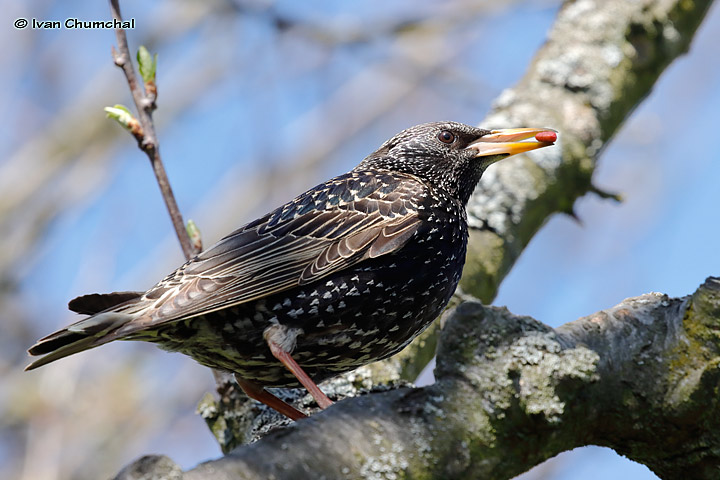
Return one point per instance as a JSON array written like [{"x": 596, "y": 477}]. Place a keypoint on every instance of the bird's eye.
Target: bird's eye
[{"x": 446, "y": 136}]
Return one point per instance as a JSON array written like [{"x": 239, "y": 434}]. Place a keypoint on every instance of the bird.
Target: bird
[{"x": 345, "y": 274}]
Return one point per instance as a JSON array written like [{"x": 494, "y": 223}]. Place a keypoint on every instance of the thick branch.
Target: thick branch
[{"x": 640, "y": 377}]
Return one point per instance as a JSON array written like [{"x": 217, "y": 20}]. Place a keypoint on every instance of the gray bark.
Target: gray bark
[{"x": 640, "y": 377}]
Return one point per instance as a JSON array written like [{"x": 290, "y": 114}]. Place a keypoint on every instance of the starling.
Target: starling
[{"x": 345, "y": 274}]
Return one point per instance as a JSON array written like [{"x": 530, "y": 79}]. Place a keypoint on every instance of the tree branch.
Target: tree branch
[
  {"x": 147, "y": 140},
  {"x": 640, "y": 377}
]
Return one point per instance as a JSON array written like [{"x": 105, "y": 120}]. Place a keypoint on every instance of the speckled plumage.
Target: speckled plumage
[
  {"x": 357, "y": 314},
  {"x": 347, "y": 273}
]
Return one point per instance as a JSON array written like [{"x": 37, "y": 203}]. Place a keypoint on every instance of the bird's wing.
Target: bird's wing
[{"x": 328, "y": 228}]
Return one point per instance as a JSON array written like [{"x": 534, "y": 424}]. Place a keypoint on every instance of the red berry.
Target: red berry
[{"x": 546, "y": 136}]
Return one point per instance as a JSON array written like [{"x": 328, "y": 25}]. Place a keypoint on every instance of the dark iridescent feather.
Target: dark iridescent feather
[{"x": 345, "y": 274}]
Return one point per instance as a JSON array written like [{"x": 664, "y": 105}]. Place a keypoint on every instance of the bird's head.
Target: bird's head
[{"x": 453, "y": 156}]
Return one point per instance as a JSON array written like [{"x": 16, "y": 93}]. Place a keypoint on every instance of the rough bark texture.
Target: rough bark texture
[{"x": 640, "y": 378}]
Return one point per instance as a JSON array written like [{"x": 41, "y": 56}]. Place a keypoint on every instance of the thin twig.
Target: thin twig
[{"x": 147, "y": 140}]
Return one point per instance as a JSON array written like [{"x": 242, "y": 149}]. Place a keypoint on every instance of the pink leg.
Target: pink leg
[
  {"x": 256, "y": 392},
  {"x": 322, "y": 400}
]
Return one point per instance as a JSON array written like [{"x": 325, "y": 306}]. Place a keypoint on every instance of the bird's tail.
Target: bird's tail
[{"x": 108, "y": 312}]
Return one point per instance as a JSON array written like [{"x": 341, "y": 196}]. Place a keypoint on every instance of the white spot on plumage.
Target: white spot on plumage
[{"x": 294, "y": 313}]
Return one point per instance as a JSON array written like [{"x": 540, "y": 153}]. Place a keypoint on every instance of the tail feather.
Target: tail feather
[
  {"x": 54, "y": 341},
  {"x": 99, "y": 302},
  {"x": 100, "y": 328},
  {"x": 75, "y": 345}
]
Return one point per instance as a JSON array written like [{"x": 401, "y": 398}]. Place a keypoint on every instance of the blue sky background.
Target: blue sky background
[{"x": 240, "y": 102}]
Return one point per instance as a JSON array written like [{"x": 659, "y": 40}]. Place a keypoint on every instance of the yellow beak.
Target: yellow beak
[{"x": 508, "y": 141}]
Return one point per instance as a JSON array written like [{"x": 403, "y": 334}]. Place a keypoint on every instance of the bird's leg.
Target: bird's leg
[
  {"x": 281, "y": 341},
  {"x": 322, "y": 400},
  {"x": 256, "y": 392}
]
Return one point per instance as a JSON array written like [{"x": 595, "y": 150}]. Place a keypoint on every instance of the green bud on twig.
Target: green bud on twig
[
  {"x": 147, "y": 64},
  {"x": 122, "y": 115},
  {"x": 194, "y": 233}
]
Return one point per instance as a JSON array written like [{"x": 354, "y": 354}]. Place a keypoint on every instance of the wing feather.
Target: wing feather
[{"x": 321, "y": 232}]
